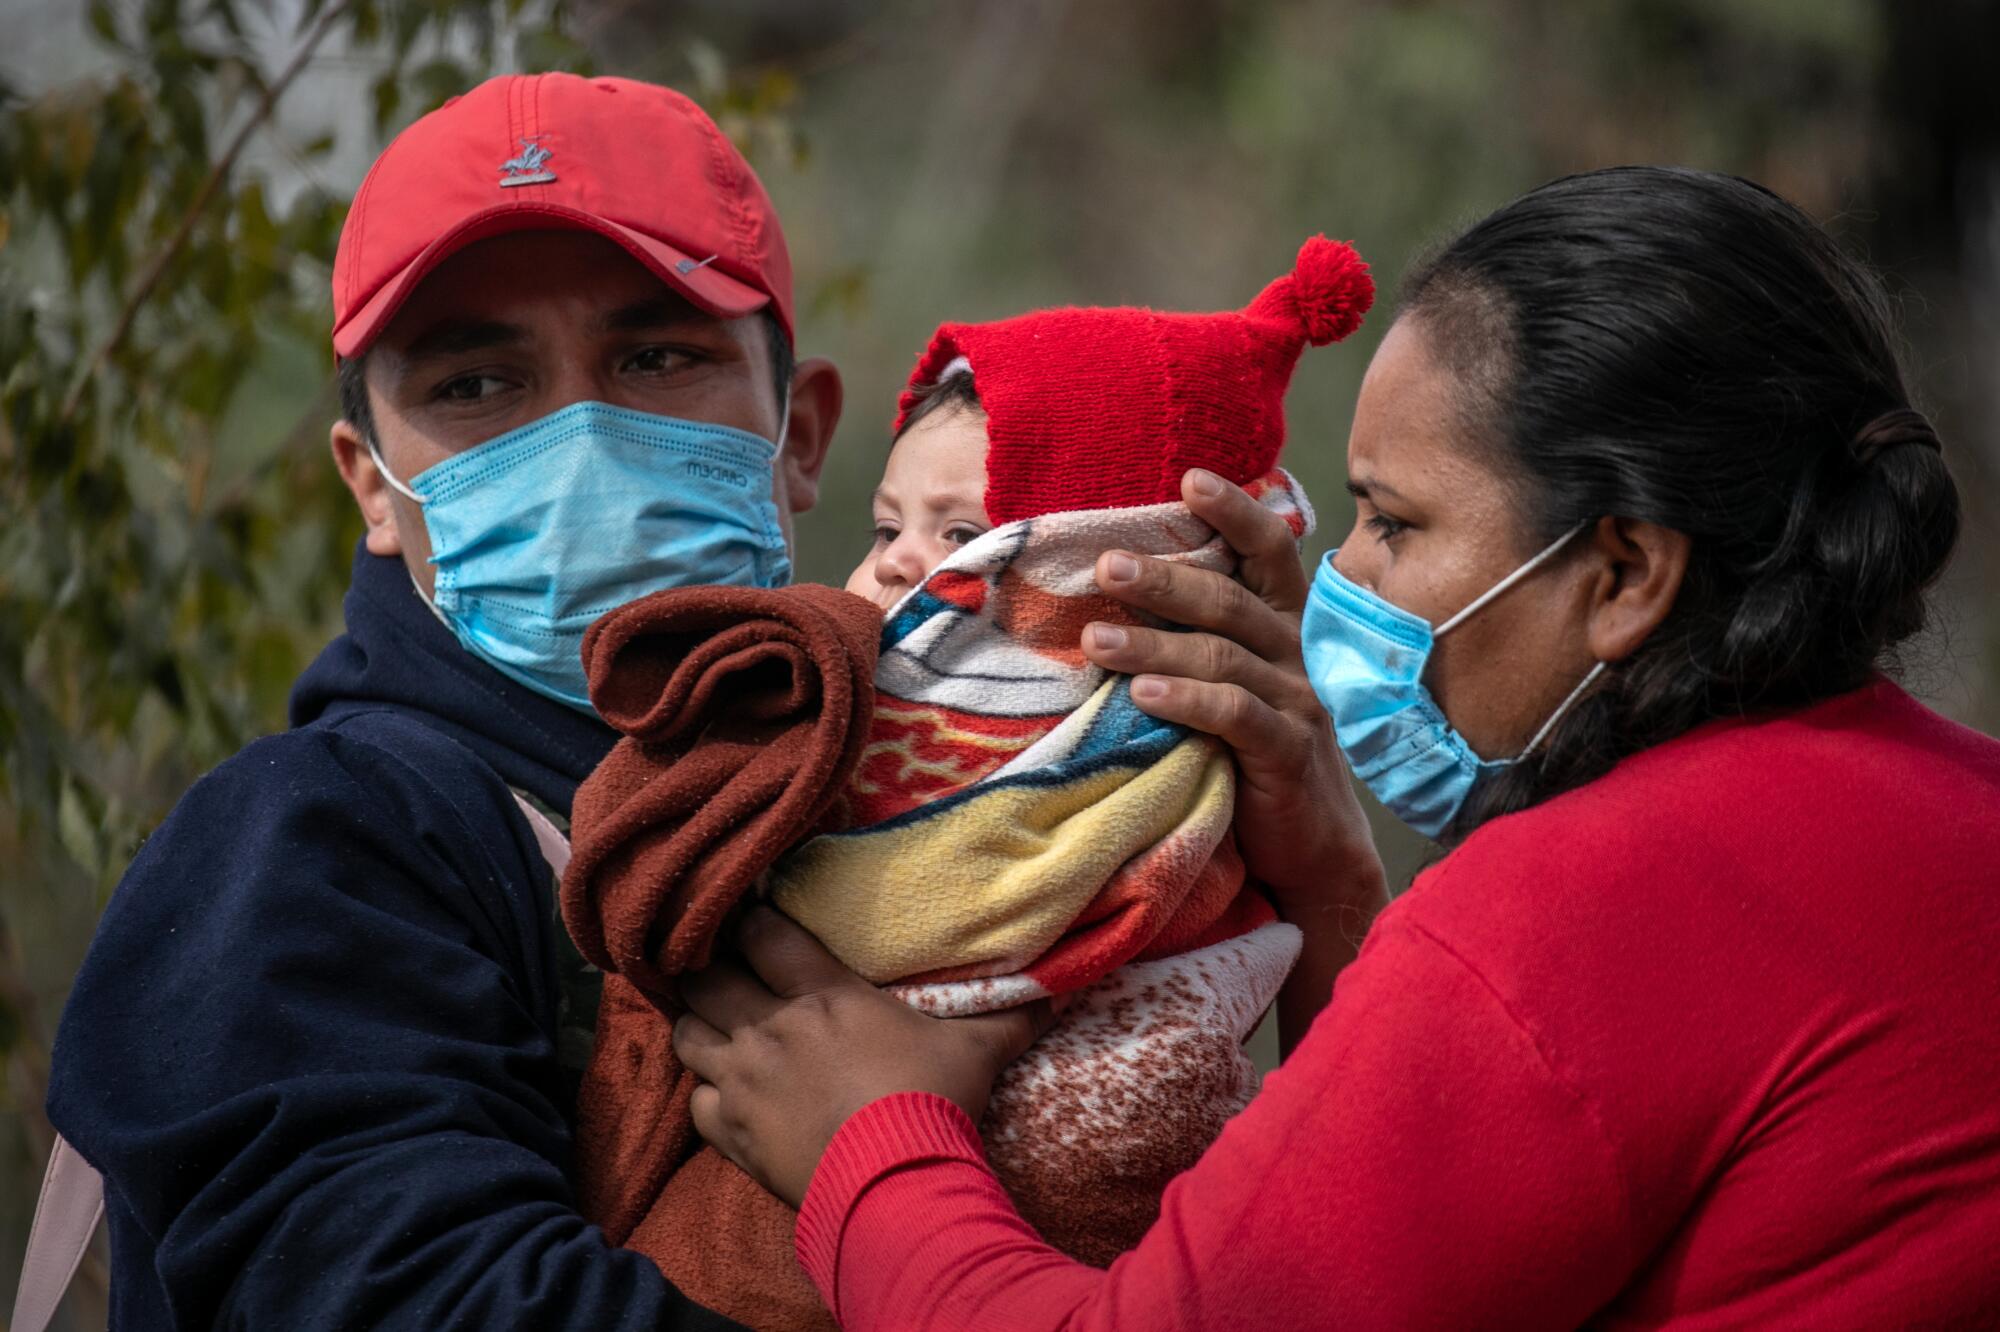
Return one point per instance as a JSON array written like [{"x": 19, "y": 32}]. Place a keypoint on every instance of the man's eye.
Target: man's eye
[
  {"x": 656, "y": 360},
  {"x": 1385, "y": 527},
  {"x": 471, "y": 388}
]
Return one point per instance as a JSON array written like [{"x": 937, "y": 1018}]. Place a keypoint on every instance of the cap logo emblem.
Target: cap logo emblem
[{"x": 527, "y": 169}]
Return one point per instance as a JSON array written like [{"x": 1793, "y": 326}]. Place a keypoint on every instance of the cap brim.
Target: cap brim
[{"x": 707, "y": 287}]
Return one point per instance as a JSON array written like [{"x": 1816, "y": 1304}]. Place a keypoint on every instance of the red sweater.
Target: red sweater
[{"x": 1711, "y": 1042}]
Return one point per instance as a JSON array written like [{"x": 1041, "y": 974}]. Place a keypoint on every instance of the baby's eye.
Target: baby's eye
[
  {"x": 884, "y": 534},
  {"x": 960, "y": 534}
]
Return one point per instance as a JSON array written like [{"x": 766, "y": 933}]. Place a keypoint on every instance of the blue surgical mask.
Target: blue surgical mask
[
  {"x": 537, "y": 532},
  {"x": 1366, "y": 660}
]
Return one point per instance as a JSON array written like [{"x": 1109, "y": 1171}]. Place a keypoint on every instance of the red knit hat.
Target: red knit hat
[{"x": 1105, "y": 408}]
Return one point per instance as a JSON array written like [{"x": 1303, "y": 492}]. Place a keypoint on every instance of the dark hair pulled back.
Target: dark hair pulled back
[{"x": 1688, "y": 349}]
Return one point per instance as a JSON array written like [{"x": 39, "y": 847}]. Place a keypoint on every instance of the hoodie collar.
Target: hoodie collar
[{"x": 397, "y": 656}]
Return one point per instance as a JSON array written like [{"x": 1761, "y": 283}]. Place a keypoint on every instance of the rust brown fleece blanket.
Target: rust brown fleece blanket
[{"x": 744, "y": 712}]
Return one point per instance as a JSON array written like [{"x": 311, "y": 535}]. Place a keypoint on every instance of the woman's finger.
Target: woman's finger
[
  {"x": 1270, "y": 553},
  {"x": 725, "y": 995},
  {"x": 1010, "y": 1032},
  {"x": 699, "y": 1046},
  {"x": 1230, "y": 713},
  {"x": 787, "y": 957},
  {"x": 1135, "y": 650},
  {"x": 1198, "y": 599}
]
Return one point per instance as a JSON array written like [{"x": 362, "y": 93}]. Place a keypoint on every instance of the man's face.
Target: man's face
[{"x": 513, "y": 328}]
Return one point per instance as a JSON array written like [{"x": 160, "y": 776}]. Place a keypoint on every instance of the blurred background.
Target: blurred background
[{"x": 173, "y": 173}]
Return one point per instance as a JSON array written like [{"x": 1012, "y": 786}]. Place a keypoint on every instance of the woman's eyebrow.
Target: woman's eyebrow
[{"x": 1363, "y": 487}]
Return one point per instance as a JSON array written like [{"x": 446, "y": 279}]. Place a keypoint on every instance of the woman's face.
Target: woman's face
[{"x": 1435, "y": 526}]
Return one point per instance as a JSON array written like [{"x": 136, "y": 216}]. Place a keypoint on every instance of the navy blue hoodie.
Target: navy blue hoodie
[{"x": 312, "y": 1048}]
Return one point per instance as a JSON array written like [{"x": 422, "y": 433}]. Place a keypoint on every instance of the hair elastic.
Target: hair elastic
[{"x": 1895, "y": 427}]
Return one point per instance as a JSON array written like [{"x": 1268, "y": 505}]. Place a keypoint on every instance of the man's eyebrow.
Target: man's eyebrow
[
  {"x": 652, "y": 313},
  {"x": 454, "y": 337}
]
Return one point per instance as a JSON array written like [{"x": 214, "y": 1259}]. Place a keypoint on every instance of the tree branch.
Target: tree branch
[{"x": 157, "y": 267}]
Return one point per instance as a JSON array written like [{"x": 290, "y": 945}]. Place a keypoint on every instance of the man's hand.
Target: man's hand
[
  {"x": 1244, "y": 681},
  {"x": 790, "y": 1046}
]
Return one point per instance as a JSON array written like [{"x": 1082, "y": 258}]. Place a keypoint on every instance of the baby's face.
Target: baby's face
[{"x": 932, "y": 501}]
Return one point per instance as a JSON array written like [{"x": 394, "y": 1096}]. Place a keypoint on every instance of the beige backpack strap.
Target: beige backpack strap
[
  {"x": 66, "y": 1216},
  {"x": 555, "y": 846}
]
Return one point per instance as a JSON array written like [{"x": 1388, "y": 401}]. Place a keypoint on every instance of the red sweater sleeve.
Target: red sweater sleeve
[{"x": 1417, "y": 1162}]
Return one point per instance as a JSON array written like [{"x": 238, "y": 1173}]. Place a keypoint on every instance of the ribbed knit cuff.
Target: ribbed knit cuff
[{"x": 896, "y": 1131}]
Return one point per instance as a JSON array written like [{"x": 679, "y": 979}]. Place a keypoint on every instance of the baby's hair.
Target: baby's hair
[{"x": 954, "y": 392}]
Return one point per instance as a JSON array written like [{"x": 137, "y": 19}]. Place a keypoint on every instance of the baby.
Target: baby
[
  {"x": 1083, "y": 847},
  {"x": 932, "y": 500},
  {"x": 992, "y": 819}
]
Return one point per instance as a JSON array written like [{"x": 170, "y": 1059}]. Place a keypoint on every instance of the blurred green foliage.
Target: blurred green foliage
[{"x": 175, "y": 541}]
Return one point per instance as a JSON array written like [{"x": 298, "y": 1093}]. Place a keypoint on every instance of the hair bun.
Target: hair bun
[
  {"x": 1331, "y": 290},
  {"x": 1892, "y": 429}
]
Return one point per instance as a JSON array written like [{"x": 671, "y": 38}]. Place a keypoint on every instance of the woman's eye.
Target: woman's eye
[
  {"x": 1386, "y": 528},
  {"x": 962, "y": 535},
  {"x": 471, "y": 388}
]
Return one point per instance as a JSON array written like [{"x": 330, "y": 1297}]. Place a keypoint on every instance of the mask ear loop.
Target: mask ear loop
[
  {"x": 1487, "y": 597},
  {"x": 1490, "y": 593},
  {"x": 784, "y": 421},
  {"x": 414, "y": 498},
  {"x": 390, "y": 477},
  {"x": 1561, "y": 709}
]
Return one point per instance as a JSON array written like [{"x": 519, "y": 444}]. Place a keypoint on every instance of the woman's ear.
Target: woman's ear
[
  {"x": 1645, "y": 564},
  {"x": 816, "y": 399},
  {"x": 371, "y": 492}
]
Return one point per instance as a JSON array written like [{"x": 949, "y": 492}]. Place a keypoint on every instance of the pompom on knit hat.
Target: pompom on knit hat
[{"x": 1106, "y": 408}]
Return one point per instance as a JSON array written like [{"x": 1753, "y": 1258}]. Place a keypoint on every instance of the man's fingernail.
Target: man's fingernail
[
  {"x": 1106, "y": 637},
  {"x": 1146, "y": 688},
  {"x": 1122, "y": 567},
  {"x": 1205, "y": 482}
]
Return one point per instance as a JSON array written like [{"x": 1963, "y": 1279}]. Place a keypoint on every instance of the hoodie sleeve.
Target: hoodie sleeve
[{"x": 311, "y": 1052}]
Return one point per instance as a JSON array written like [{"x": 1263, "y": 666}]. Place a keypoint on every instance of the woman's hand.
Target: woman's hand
[
  {"x": 791, "y": 1046},
  {"x": 1244, "y": 681}
]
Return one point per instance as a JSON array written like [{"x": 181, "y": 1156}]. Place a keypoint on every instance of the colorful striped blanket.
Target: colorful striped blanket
[
  {"x": 1019, "y": 828},
  {"x": 1011, "y": 827}
]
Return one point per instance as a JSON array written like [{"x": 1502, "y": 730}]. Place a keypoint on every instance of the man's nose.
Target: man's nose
[{"x": 573, "y": 378}]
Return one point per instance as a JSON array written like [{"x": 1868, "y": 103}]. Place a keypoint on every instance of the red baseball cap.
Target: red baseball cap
[{"x": 634, "y": 162}]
